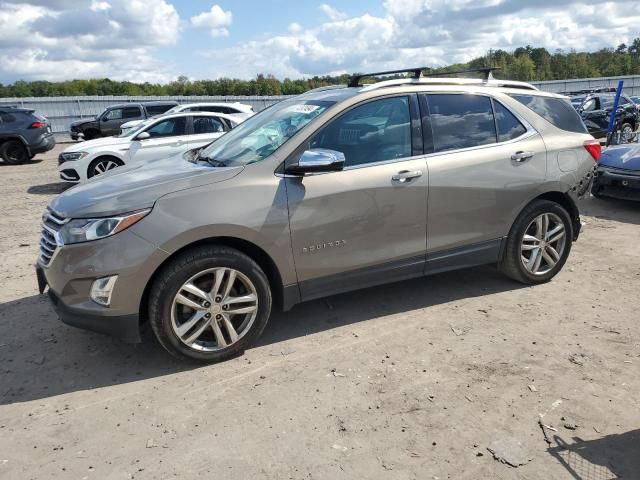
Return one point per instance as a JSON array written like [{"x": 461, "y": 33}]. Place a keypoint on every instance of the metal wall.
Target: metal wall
[
  {"x": 631, "y": 84},
  {"x": 61, "y": 111}
]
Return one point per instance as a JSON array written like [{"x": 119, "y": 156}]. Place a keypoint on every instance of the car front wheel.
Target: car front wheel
[
  {"x": 539, "y": 243},
  {"x": 209, "y": 304},
  {"x": 103, "y": 164}
]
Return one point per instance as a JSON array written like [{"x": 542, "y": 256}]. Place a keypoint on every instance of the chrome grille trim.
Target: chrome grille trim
[{"x": 50, "y": 241}]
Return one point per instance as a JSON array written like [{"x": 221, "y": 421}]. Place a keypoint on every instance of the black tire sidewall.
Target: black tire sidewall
[
  {"x": 13, "y": 144},
  {"x": 531, "y": 212},
  {"x": 167, "y": 286}
]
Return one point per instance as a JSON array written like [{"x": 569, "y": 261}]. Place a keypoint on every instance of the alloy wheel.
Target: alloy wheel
[
  {"x": 214, "y": 309},
  {"x": 103, "y": 166},
  {"x": 543, "y": 243}
]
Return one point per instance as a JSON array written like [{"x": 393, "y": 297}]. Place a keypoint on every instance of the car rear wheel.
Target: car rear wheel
[
  {"x": 626, "y": 133},
  {"x": 539, "y": 243},
  {"x": 103, "y": 164},
  {"x": 14, "y": 152},
  {"x": 209, "y": 304}
]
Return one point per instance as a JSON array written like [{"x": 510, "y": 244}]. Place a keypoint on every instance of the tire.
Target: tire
[
  {"x": 626, "y": 133},
  {"x": 91, "y": 134},
  {"x": 515, "y": 256},
  {"x": 103, "y": 164},
  {"x": 13, "y": 152},
  {"x": 176, "y": 324}
]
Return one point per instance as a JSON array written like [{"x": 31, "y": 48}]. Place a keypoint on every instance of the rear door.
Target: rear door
[
  {"x": 485, "y": 161},
  {"x": 364, "y": 225},
  {"x": 167, "y": 137}
]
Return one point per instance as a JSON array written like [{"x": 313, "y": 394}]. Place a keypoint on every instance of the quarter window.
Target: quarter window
[
  {"x": 509, "y": 127},
  {"x": 168, "y": 128},
  {"x": 461, "y": 121},
  {"x": 376, "y": 131},
  {"x": 556, "y": 111}
]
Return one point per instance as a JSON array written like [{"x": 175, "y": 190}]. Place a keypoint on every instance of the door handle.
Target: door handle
[
  {"x": 405, "y": 175},
  {"x": 522, "y": 156}
]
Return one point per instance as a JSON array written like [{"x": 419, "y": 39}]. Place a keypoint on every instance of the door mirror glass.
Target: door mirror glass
[
  {"x": 143, "y": 135},
  {"x": 318, "y": 160}
]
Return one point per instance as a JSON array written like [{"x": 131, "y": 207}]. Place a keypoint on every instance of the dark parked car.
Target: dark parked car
[
  {"x": 618, "y": 173},
  {"x": 108, "y": 122},
  {"x": 23, "y": 134},
  {"x": 595, "y": 110}
]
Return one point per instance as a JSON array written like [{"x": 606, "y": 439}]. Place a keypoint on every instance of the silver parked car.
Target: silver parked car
[{"x": 333, "y": 190}]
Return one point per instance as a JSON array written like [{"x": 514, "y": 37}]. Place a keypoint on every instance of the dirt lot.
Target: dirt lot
[{"x": 412, "y": 380}]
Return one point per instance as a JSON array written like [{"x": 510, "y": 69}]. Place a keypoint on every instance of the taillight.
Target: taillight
[
  {"x": 38, "y": 125},
  {"x": 594, "y": 148}
]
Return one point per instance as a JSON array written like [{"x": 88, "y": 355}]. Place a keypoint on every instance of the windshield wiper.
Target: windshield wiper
[{"x": 212, "y": 162}]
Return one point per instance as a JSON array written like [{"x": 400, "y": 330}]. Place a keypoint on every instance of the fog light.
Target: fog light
[{"x": 102, "y": 289}]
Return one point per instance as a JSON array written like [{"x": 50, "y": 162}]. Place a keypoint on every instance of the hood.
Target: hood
[
  {"x": 621, "y": 156},
  {"x": 136, "y": 188},
  {"x": 86, "y": 121},
  {"x": 96, "y": 142}
]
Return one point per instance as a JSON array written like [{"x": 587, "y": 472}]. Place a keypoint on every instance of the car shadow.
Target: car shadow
[
  {"x": 625, "y": 211},
  {"x": 33, "y": 161},
  {"x": 40, "y": 357},
  {"x": 49, "y": 188},
  {"x": 607, "y": 458}
]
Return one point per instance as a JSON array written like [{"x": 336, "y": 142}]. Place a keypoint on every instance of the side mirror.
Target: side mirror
[
  {"x": 318, "y": 160},
  {"x": 143, "y": 135}
]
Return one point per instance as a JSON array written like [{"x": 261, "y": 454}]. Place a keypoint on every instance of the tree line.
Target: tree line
[{"x": 524, "y": 63}]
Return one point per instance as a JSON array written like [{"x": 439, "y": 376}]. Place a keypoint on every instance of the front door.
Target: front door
[
  {"x": 167, "y": 138},
  {"x": 364, "y": 225}
]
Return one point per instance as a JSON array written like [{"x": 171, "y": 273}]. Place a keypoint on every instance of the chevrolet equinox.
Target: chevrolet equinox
[{"x": 337, "y": 189}]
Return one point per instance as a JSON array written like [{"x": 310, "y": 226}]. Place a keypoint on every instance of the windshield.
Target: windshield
[
  {"x": 261, "y": 135},
  {"x": 176, "y": 109}
]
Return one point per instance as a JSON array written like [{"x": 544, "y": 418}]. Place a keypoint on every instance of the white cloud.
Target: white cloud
[
  {"x": 333, "y": 14},
  {"x": 429, "y": 33},
  {"x": 115, "y": 38},
  {"x": 216, "y": 19}
]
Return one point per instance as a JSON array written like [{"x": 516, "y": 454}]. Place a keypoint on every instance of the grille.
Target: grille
[{"x": 51, "y": 224}]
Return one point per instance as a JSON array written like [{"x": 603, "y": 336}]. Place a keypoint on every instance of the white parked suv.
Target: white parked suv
[
  {"x": 239, "y": 111},
  {"x": 154, "y": 138}
]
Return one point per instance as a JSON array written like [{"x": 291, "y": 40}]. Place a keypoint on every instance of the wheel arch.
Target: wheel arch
[
  {"x": 102, "y": 156},
  {"x": 256, "y": 253},
  {"x": 563, "y": 199}
]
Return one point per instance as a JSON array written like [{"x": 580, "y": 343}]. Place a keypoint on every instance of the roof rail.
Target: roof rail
[
  {"x": 449, "y": 81},
  {"x": 418, "y": 73},
  {"x": 355, "y": 79}
]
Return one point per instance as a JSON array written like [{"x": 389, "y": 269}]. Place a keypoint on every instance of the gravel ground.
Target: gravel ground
[{"x": 417, "y": 380}]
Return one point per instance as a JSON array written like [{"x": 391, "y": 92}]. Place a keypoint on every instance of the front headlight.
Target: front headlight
[
  {"x": 69, "y": 156},
  {"x": 86, "y": 229}
]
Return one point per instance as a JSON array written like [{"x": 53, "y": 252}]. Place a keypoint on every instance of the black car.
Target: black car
[
  {"x": 108, "y": 122},
  {"x": 595, "y": 110},
  {"x": 23, "y": 134},
  {"x": 618, "y": 173}
]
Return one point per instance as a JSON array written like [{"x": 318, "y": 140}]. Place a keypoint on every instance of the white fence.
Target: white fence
[{"x": 61, "y": 111}]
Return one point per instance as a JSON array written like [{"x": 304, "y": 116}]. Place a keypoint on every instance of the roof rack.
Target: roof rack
[
  {"x": 449, "y": 81},
  {"x": 418, "y": 73},
  {"x": 322, "y": 89}
]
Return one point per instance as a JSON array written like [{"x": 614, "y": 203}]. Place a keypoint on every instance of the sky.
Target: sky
[{"x": 158, "y": 40}]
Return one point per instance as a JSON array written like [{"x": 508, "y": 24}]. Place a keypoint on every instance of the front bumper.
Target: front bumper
[
  {"x": 616, "y": 183},
  {"x": 74, "y": 268}
]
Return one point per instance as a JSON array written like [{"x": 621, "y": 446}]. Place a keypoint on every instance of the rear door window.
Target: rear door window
[
  {"x": 131, "y": 112},
  {"x": 556, "y": 111},
  {"x": 158, "y": 109},
  {"x": 509, "y": 127},
  {"x": 207, "y": 125},
  {"x": 461, "y": 121}
]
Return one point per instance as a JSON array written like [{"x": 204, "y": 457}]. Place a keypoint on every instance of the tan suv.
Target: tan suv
[{"x": 330, "y": 191}]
